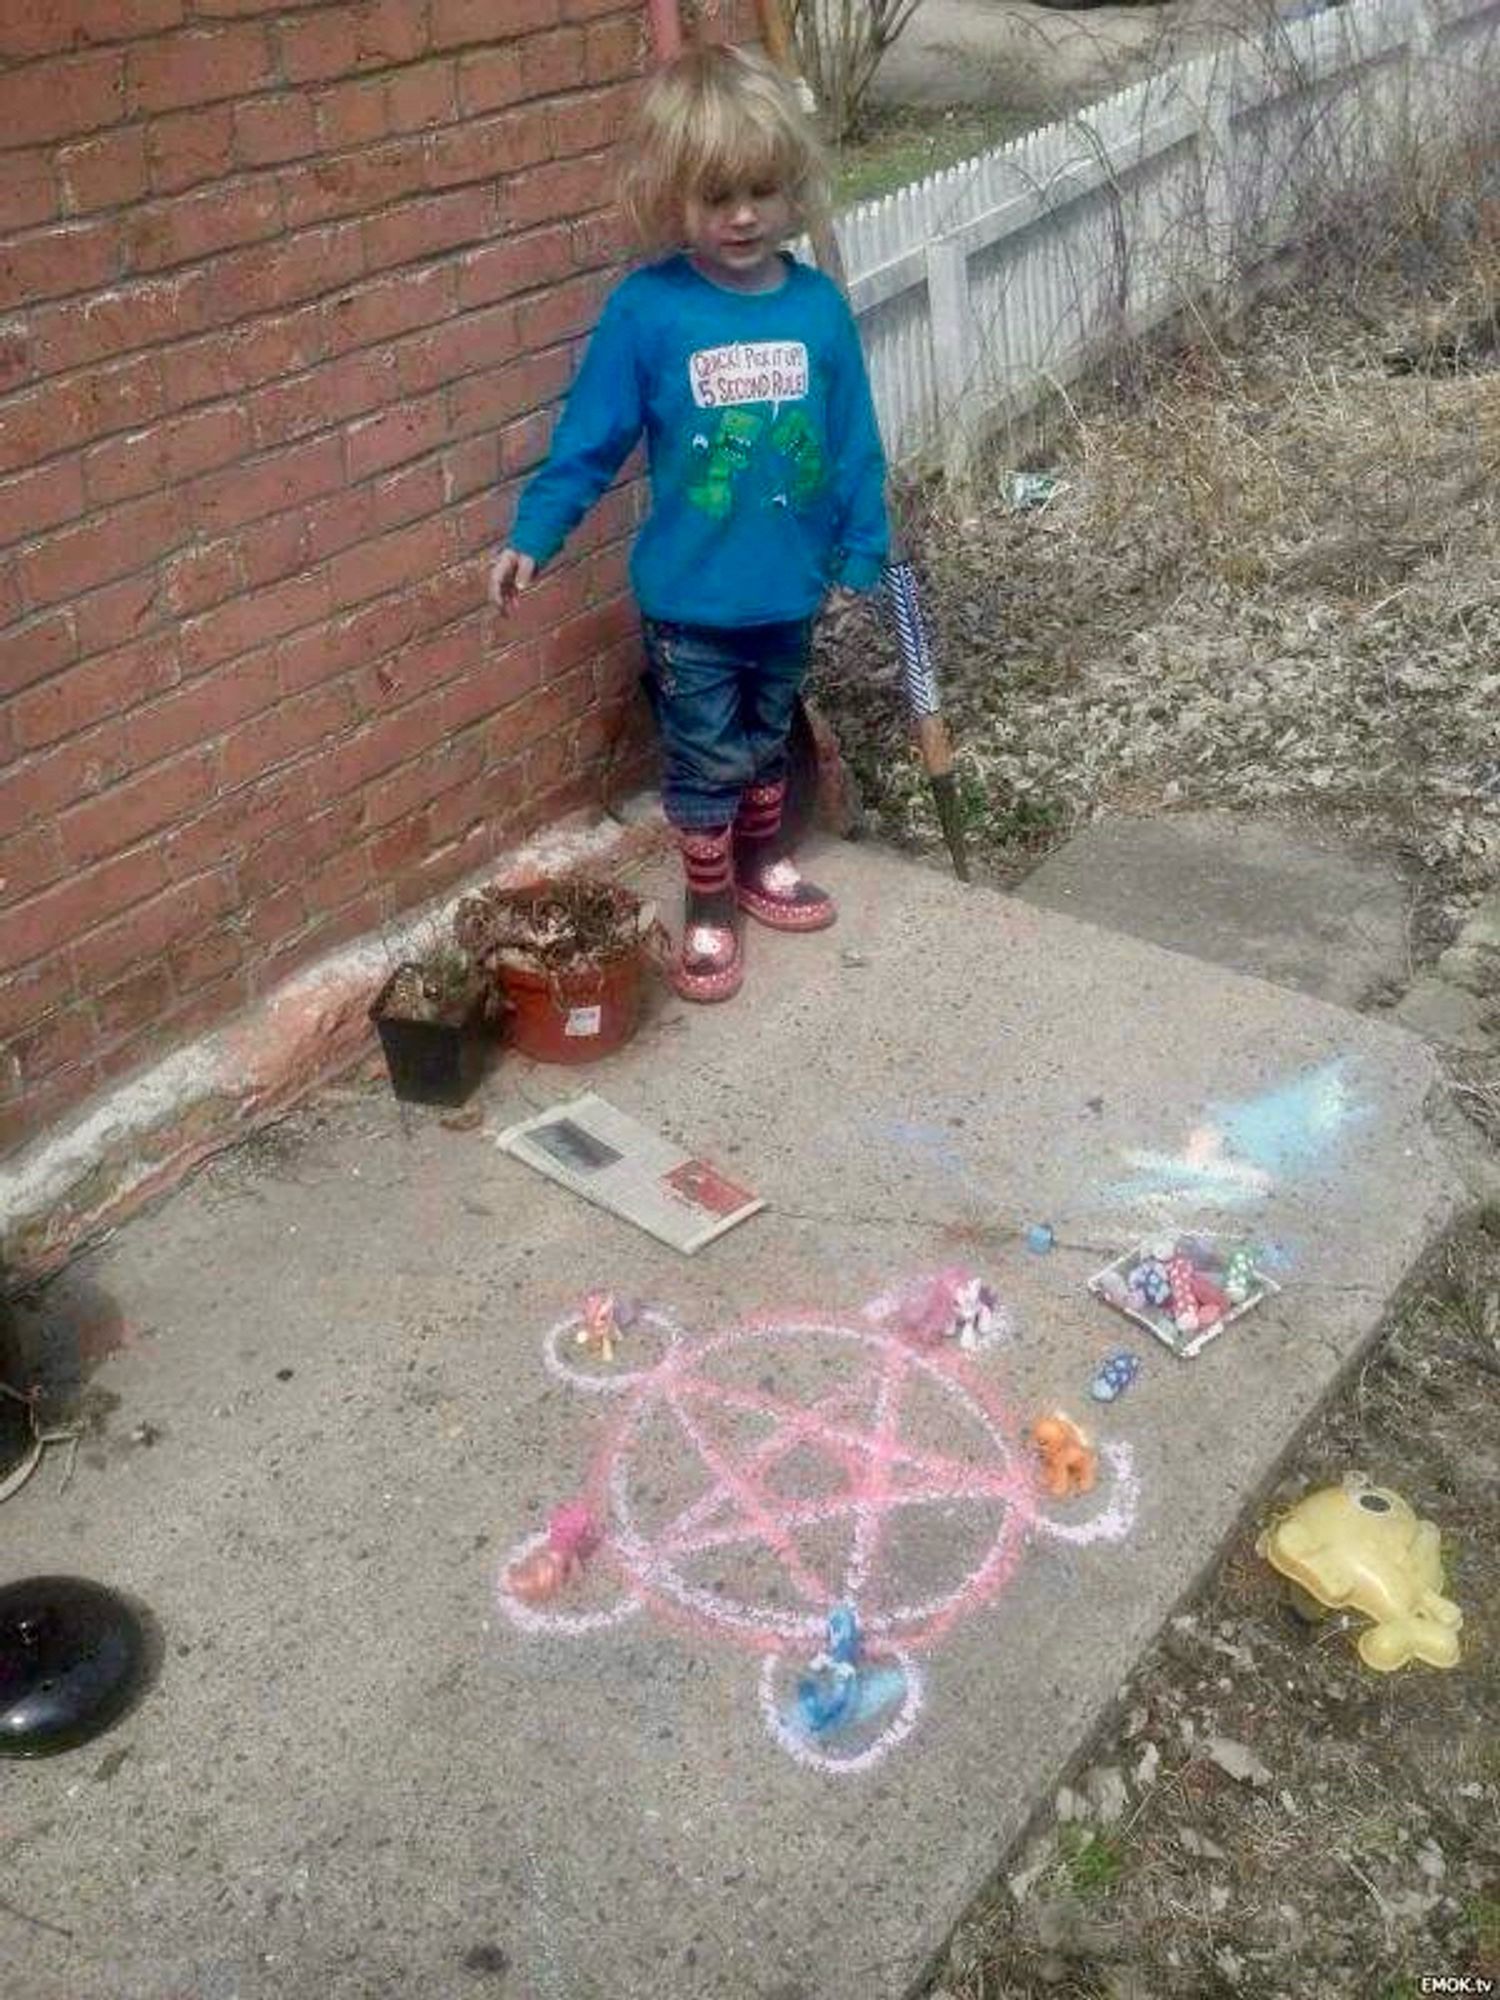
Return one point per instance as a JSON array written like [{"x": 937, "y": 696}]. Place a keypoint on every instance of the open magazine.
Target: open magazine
[{"x": 609, "y": 1159}]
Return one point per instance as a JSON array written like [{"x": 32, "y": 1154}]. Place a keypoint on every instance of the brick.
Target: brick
[
  {"x": 581, "y": 640},
  {"x": 422, "y": 96},
  {"x": 578, "y": 120},
  {"x": 119, "y": 613},
  {"x": 289, "y": 855},
  {"x": 347, "y": 643},
  {"x": 32, "y": 990},
  {"x": 31, "y": 191},
  {"x": 248, "y": 622},
  {"x": 405, "y": 431},
  {"x": 166, "y": 454},
  {"x": 379, "y": 747},
  {"x": 615, "y": 48},
  {"x": 343, "y": 878},
  {"x": 196, "y": 578},
  {"x": 559, "y": 314},
  {"x": 490, "y": 79},
  {"x": 106, "y": 172},
  {"x": 29, "y": 860},
  {"x": 564, "y": 188},
  {"x": 275, "y": 548},
  {"x": 263, "y": 486},
  {"x": 271, "y": 130},
  {"x": 233, "y": 359},
  {"x": 203, "y": 710},
  {"x": 588, "y": 10},
  {"x": 47, "y": 27},
  {"x": 274, "y": 919},
  {"x": 137, "y": 1001},
  {"x": 482, "y": 402},
  {"x": 81, "y": 95},
  {"x": 342, "y": 519},
  {"x": 198, "y": 67},
  {"x": 100, "y": 687},
  {"x": 347, "y": 387},
  {"x": 599, "y": 239},
  {"x": 391, "y": 851},
  {"x": 389, "y": 31},
  {"x": 517, "y": 264},
  {"x": 351, "y": 114},
  {"x": 126, "y": 317},
  {"x": 50, "y": 263},
  {"x": 552, "y": 62},
  {"x": 471, "y": 467},
  {"x": 236, "y": 822},
  {"x": 204, "y": 960},
  {"x": 33, "y": 788},
  {"x": 104, "y": 547},
  {"x": 36, "y": 501},
  {"x": 54, "y": 919},
  {"x": 303, "y": 266},
  {"x": 484, "y": 148},
  {"x": 404, "y": 556},
  {"x": 462, "y": 347},
  {"x": 456, "y": 22},
  {"x": 353, "y": 183},
  {"x": 42, "y": 646},
  {"x": 280, "y": 735},
  {"x": 197, "y": 225},
  {"x": 472, "y": 527},
  {"x": 181, "y": 910},
  {"x": 42, "y": 1105},
  {"x": 421, "y": 229},
  {"x": 408, "y": 494},
  {"x": 388, "y": 306},
  {"x": 190, "y": 147},
  {"x": 140, "y": 806},
  {"x": 59, "y": 1041},
  {"x": 16, "y": 355}
]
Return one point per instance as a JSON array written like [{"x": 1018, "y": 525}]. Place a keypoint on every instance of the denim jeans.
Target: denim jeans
[{"x": 723, "y": 698}]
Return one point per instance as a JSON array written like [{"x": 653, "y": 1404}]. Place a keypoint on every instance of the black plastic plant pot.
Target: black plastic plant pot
[
  {"x": 432, "y": 1062},
  {"x": 72, "y": 1660}
]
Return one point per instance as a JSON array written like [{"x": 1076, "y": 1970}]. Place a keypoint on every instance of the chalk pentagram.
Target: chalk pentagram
[{"x": 794, "y": 1456}]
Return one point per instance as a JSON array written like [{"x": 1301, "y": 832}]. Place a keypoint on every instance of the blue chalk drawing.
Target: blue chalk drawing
[{"x": 1241, "y": 1150}]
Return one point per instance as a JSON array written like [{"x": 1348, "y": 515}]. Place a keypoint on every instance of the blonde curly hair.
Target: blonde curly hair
[{"x": 717, "y": 118}]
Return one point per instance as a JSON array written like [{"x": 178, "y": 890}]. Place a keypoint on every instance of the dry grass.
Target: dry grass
[{"x": 1265, "y": 581}]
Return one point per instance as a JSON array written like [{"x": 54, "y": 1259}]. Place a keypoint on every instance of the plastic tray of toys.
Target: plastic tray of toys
[{"x": 1185, "y": 1289}]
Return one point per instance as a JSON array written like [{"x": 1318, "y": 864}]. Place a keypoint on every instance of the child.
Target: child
[{"x": 743, "y": 368}]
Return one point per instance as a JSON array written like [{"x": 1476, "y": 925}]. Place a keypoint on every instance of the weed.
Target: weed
[{"x": 1093, "y": 1862}]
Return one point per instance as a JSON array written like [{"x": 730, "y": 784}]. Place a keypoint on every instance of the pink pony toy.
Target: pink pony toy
[
  {"x": 600, "y": 1329},
  {"x": 572, "y": 1536}
]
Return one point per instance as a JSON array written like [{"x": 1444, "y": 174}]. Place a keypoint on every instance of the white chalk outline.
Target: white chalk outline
[
  {"x": 1117, "y": 1519},
  {"x": 598, "y": 1384}
]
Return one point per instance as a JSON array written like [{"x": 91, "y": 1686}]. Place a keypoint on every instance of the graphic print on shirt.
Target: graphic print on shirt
[{"x": 785, "y": 448}]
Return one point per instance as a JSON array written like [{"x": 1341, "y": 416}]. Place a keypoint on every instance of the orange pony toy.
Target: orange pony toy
[{"x": 1068, "y": 1459}]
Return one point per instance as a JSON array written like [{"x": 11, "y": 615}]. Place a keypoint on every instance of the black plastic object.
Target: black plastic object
[
  {"x": 72, "y": 1656},
  {"x": 800, "y": 806},
  {"x": 432, "y": 1062}
]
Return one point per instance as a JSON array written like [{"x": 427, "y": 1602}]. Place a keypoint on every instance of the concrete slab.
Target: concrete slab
[
  {"x": 1290, "y": 905},
  {"x": 362, "y": 1774}
]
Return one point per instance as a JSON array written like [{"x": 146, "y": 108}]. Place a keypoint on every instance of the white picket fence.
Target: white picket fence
[{"x": 984, "y": 288}]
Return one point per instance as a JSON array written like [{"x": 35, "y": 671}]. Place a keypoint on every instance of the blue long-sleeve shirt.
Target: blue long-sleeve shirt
[{"x": 767, "y": 475}]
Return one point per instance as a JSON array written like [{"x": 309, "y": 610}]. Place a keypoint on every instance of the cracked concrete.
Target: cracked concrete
[{"x": 359, "y": 1774}]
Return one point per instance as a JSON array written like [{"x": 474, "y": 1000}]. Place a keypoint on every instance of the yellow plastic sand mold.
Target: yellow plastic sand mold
[{"x": 1363, "y": 1546}]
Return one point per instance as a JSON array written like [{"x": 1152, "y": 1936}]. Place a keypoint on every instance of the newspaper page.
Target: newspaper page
[{"x": 605, "y": 1156}]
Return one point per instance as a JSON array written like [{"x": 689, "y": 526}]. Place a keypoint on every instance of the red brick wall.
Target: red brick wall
[{"x": 287, "y": 291}]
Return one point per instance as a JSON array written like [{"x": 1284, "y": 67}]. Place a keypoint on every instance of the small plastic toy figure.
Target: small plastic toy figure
[
  {"x": 600, "y": 1329},
  {"x": 974, "y": 1311},
  {"x": 826, "y": 1693},
  {"x": 1116, "y": 1373},
  {"x": 1069, "y": 1464},
  {"x": 1364, "y": 1546},
  {"x": 572, "y": 1536}
]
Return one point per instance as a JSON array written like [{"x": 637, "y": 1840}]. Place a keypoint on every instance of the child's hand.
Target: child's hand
[{"x": 510, "y": 574}]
